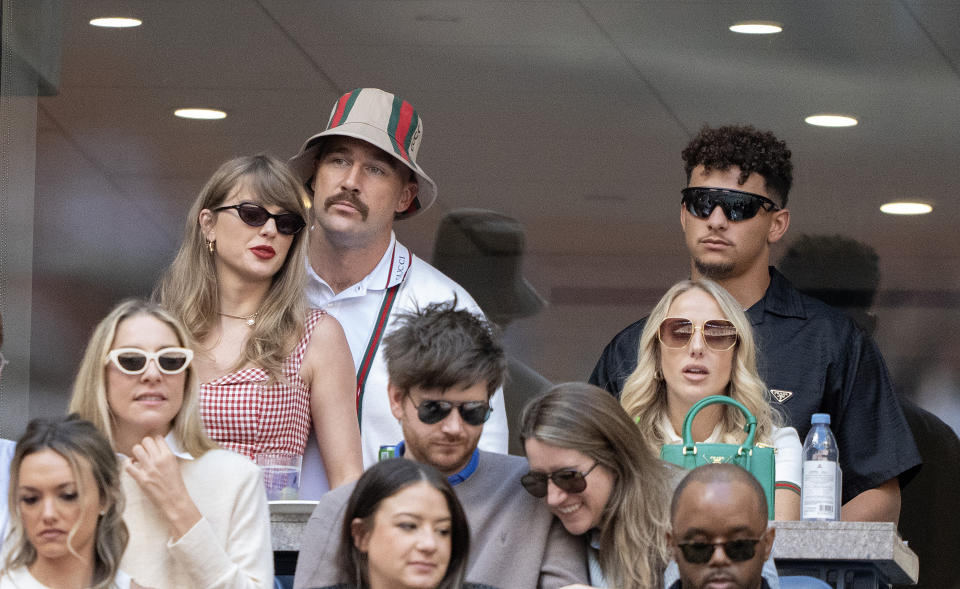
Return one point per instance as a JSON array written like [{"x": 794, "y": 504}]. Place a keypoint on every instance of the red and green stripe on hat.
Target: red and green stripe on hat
[{"x": 401, "y": 123}]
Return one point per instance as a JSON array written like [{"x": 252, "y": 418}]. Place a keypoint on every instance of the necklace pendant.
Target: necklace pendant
[{"x": 250, "y": 321}]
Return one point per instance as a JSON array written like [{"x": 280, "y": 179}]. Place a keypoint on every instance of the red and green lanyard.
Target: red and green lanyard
[{"x": 379, "y": 326}]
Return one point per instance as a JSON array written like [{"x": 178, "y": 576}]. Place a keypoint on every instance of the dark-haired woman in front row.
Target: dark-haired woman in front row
[
  {"x": 66, "y": 510},
  {"x": 404, "y": 527}
]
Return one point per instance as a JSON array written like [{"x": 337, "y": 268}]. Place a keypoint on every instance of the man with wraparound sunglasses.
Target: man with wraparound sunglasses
[
  {"x": 719, "y": 530},
  {"x": 444, "y": 365},
  {"x": 363, "y": 174},
  {"x": 812, "y": 357}
]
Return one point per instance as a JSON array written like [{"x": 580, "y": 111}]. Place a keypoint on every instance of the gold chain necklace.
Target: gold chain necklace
[{"x": 250, "y": 319}]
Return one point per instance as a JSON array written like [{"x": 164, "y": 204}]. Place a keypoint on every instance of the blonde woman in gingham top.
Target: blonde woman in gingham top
[{"x": 237, "y": 284}]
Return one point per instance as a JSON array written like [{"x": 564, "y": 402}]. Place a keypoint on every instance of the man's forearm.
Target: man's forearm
[{"x": 880, "y": 504}]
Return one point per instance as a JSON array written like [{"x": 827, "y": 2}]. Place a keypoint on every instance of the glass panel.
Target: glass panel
[{"x": 568, "y": 123}]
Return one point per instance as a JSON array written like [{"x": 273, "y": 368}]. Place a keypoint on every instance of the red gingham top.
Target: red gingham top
[{"x": 244, "y": 415}]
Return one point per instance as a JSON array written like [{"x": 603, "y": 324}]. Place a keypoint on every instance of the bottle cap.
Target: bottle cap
[
  {"x": 386, "y": 453},
  {"x": 820, "y": 418}
]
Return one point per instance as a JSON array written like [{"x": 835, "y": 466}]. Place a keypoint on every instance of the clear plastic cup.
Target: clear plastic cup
[{"x": 281, "y": 474}]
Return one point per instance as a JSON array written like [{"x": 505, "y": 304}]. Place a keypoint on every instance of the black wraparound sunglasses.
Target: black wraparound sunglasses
[
  {"x": 702, "y": 552},
  {"x": 256, "y": 216},
  {"x": 737, "y": 205}
]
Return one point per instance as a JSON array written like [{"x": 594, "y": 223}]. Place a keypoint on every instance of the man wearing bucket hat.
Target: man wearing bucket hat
[{"x": 363, "y": 173}]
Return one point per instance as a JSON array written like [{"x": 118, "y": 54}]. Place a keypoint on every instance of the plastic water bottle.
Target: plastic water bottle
[{"x": 822, "y": 478}]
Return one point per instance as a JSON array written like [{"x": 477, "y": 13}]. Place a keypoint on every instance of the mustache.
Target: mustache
[{"x": 349, "y": 198}]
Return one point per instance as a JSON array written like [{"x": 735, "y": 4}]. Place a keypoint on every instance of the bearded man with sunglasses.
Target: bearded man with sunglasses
[
  {"x": 719, "y": 534},
  {"x": 444, "y": 365},
  {"x": 812, "y": 357}
]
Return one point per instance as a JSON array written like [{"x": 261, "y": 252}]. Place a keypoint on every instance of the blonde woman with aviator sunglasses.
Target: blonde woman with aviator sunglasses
[{"x": 698, "y": 342}]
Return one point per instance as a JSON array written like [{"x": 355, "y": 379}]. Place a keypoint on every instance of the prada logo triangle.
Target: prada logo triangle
[{"x": 780, "y": 396}]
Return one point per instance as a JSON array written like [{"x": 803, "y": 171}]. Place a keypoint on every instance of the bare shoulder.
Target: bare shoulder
[
  {"x": 327, "y": 327},
  {"x": 327, "y": 344}
]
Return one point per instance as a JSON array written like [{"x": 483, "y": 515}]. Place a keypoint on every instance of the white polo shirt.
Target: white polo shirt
[{"x": 357, "y": 309}]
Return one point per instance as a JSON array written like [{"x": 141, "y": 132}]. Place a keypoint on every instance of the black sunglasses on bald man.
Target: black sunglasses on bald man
[{"x": 702, "y": 552}]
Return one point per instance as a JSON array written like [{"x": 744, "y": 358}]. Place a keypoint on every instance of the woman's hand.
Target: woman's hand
[{"x": 154, "y": 467}]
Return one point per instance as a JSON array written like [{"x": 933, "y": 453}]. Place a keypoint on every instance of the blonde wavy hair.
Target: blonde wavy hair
[
  {"x": 77, "y": 441},
  {"x": 644, "y": 395},
  {"x": 635, "y": 520},
  {"x": 189, "y": 286},
  {"x": 89, "y": 399}
]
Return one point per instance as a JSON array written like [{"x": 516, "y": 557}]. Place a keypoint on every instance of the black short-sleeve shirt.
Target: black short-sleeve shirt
[{"x": 814, "y": 359}]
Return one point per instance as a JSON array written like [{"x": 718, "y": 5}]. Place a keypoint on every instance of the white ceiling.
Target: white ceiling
[{"x": 568, "y": 115}]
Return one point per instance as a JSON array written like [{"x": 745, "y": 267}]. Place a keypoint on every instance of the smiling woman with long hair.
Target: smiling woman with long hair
[
  {"x": 66, "y": 509},
  {"x": 269, "y": 368},
  {"x": 588, "y": 462}
]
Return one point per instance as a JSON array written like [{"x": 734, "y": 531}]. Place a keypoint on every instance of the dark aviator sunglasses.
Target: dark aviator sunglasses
[
  {"x": 737, "y": 205},
  {"x": 256, "y": 216},
  {"x": 472, "y": 412},
  {"x": 567, "y": 480}
]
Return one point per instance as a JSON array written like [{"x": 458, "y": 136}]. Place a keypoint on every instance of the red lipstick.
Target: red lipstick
[{"x": 264, "y": 252}]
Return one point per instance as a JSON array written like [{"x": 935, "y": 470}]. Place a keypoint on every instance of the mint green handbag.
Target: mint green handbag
[{"x": 760, "y": 461}]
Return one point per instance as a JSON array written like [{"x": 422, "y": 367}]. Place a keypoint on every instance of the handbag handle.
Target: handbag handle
[{"x": 750, "y": 428}]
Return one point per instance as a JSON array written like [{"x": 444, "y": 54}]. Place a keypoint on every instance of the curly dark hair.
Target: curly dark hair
[{"x": 748, "y": 149}]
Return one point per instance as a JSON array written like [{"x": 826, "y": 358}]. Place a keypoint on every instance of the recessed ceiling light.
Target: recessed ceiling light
[
  {"x": 116, "y": 22},
  {"x": 906, "y": 208},
  {"x": 757, "y": 27},
  {"x": 205, "y": 114},
  {"x": 831, "y": 121}
]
